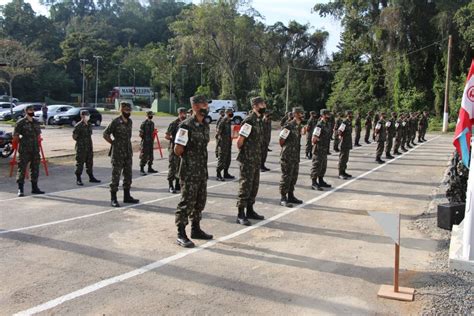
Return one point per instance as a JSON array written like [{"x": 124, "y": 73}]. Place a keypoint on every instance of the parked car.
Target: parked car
[
  {"x": 18, "y": 111},
  {"x": 5, "y": 106},
  {"x": 73, "y": 116},
  {"x": 52, "y": 111},
  {"x": 214, "y": 115},
  {"x": 6, "y": 98}
]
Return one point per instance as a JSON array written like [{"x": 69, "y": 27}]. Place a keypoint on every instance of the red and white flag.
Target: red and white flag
[{"x": 463, "y": 133}]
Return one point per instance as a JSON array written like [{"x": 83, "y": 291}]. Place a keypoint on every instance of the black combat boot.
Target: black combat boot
[
  {"x": 397, "y": 153},
  {"x": 293, "y": 199},
  {"x": 151, "y": 170},
  {"x": 241, "y": 218},
  {"x": 171, "y": 188},
  {"x": 284, "y": 201},
  {"x": 315, "y": 185},
  {"x": 227, "y": 175},
  {"x": 379, "y": 161},
  {"x": 93, "y": 179},
  {"x": 21, "y": 189},
  {"x": 264, "y": 169},
  {"x": 323, "y": 183},
  {"x": 219, "y": 176},
  {"x": 177, "y": 187},
  {"x": 347, "y": 175},
  {"x": 388, "y": 156},
  {"x": 342, "y": 176},
  {"x": 198, "y": 233},
  {"x": 35, "y": 189},
  {"x": 142, "y": 171},
  {"x": 182, "y": 239},
  {"x": 252, "y": 214},
  {"x": 127, "y": 198},
  {"x": 404, "y": 149},
  {"x": 79, "y": 180},
  {"x": 113, "y": 199}
]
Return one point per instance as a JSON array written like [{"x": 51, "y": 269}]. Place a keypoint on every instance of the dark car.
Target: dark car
[
  {"x": 18, "y": 111},
  {"x": 73, "y": 116}
]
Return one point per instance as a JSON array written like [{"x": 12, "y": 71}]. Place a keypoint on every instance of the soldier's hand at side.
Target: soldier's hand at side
[
  {"x": 240, "y": 142},
  {"x": 282, "y": 142},
  {"x": 179, "y": 150},
  {"x": 314, "y": 140}
]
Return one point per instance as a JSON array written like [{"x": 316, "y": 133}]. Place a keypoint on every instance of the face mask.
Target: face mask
[
  {"x": 31, "y": 114},
  {"x": 262, "y": 110},
  {"x": 204, "y": 111},
  {"x": 150, "y": 117},
  {"x": 126, "y": 115},
  {"x": 86, "y": 118}
]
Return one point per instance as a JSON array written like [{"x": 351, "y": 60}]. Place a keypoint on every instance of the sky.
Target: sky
[{"x": 273, "y": 11}]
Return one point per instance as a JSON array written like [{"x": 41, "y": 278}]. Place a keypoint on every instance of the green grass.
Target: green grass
[{"x": 436, "y": 125}]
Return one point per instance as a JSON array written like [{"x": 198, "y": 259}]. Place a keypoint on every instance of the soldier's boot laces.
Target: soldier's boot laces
[
  {"x": 21, "y": 189},
  {"x": 151, "y": 170},
  {"x": 35, "y": 189},
  {"x": 142, "y": 171},
  {"x": 323, "y": 183},
  {"x": 241, "y": 218},
  {"x": 284, "y": 201},
  {"x": 198, "y": 233},
  {"x": 127, "y": 198},
  {"x": 219, "y": 176},
  {"x": 252, "y": 214},
  {"x": 293, "y": 199},
  {"x": 93, "y": 179},
  {"x": 227, "y": 175},
  {"x": 182, "y": 238},
  {"x": 79, "y": 180},
  {"x": 315, "y": 186},
  {"x": 177, "y": 187},
  {"x": 113, "y": 199},
  {"x": 171, "y": 188}
]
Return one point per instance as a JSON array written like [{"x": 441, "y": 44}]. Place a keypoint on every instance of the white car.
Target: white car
[
  {"x": 6, "y": 106},
  {"x": 52, "y": 111},
  {"x": 215, "y": 107}
]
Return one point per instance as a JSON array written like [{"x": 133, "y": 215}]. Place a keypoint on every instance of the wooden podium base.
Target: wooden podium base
[{"x": 404, "y": 293}]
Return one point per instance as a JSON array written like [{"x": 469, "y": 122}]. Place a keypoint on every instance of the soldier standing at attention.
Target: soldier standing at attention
[
  {"x": 224, "y": 136},
  {"x": 406, "y": 132},
  {"x": 321, "y": 139},
  {"x": 390, "y": 135},
  {"x": 423, "y": 127},
  {"x": 121, "y": 154},
  {"x": 191, "y": 145},
  {"x": 267, "y": 135},
  {"x": 337, "y": 123},
  {"x": 358, "y": 130},
  {"x": 250, "y": 157},
  {"x": 313, "y": 120},
  {"x": 398, "y": 135},
  {"x": 415, "y": 128},
  {"x": 173, "y": 159},
  {"x": 82, "y": 134},
  {"x": 290, "y": 141},
  {"x": 147, "y": 128},
  {"x": 380, "y": 133},
  {"x": 345, "y": 136},
  {"x": 376, "y": 119},
  {"x": 27, "y": 133},
  {"x": 219, "y": 120},
  {"x": 368, "y": 127}
]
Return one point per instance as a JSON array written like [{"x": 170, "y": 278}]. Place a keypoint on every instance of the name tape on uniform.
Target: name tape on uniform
[
  {"x": 245, "y": 130},
  {"x": 284, "y": 133},
  {"x": 317, "y": 131},
  {"x": 182, "y": 137},
  {"x": 342, "y": 127}
]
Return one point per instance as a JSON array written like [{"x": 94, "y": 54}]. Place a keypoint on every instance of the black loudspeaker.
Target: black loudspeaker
[{"x": 450, "y": 214}]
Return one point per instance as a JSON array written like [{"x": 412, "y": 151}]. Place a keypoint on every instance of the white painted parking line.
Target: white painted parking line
[{"x": 157, "y": 264}]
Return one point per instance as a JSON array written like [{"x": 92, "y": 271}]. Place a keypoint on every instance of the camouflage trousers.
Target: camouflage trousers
[
  {"x": 173, "y": 165},
  {"x": 398, "y": 143},
  {"x": 309, "y": 144},
  {"x": 380, "y": 148},
  {"x": 357, "y": 135},
  {"x": 265, "y": 145},
  {"x": 289, "y": 176},
  {"x": 367, "y": 134},
  {"x": 193, "y": 201},
  {"x": 84, "y": 157},
  {"x": 413, "y": 136},
  {"x": 224, "y": 156},
  {"x": 319, "y": 164},
  {"x": 388, "y": 147},
  {"x": 33, "y": 158},
  {"x": 421, "y": 133},
  {"x": 343, "y": 159},
  {"x": 146, "y": 154},
  {"x": 119, "y": 167},
  {"x": 248, "y": 183},
  {"x": 336, "y": 143}
]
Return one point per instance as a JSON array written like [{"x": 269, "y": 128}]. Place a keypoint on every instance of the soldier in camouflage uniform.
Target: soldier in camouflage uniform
[
  {"x": 250, "y": 157},
  {"x": 357, "y": 130},
  {"x": 406, "y": 132},
  {"x": 368, "y": 127},
  {"x": 267, "y": 135},
  {"x": 313, "y": 120},
  {"x": 376, "y": 119},
  {"x": 391, "y": 129},
  {"x": 173, "y": 159},
  {"x": 345, "y": 136},
  {"x": 321, "y": 140},
  {"x": 337, "y": 123},
  {"x": 147, "y": 129},
  {"x": 398, "y": 135},
  {"x": 121, "y": 154},
  {"x": 415, "y": 128},
  {"x": 82, "y": 134},
  {"x": 191, "y": 145},
  {"x": 219, "y": 120},
  {"x": 423, "y": 127},
  {"x": 26, "y": 134},
  {"x": 380, "y": 132},
  {"x": 224, "y": 136},
  {"x": 290, "y": 141}
]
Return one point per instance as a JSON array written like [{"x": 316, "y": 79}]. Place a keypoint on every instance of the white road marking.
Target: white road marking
[{"x": 157, "y": 264}]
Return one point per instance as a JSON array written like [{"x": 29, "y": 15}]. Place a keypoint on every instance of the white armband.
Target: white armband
[
  {"x": 245, "y": 130},
  {"x": 388, "y": 124},
  {"x": 397, "y": 125},
  {"x": 378, "y": 126},
  {"x": 317, "y": 131},
  {"x": 404, "y": 123},
  {"x": 182, "y": 137},
  {"x": 284, "y": 133},
  {"x": 342, "y": 127}
]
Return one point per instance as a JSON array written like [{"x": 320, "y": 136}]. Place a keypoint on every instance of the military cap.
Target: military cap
[
  {"x": 256, "y": 100},
  {"x": 324, "y": 112},
  {"x": 298, "y": 109},
  {"x": 181, "y": 110},
  {"x": 229, "y": 110},
  {"x": 84, "y": 112},
  {"x": 29, "y": 107},
  {"x": 125, "y": 104},
  {"x": 150, "y": 113},
  {"x": 197, "y": 99}
]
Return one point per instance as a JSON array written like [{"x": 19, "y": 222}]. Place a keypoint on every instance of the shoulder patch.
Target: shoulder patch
[
  {"x": 245, "y": 130},
  {"x": 284, "y": 133},
  {"x": 182, "y": 137}
]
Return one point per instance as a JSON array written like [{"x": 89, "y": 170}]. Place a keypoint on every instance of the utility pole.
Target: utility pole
[
  {"x": 83, "y": 64},
  {"x": 446, "y": 90},
  {"x": 118, "y": 78},
  {"x": 201, "y": 63},
  {"x": 97, "y": 77},
  {"x": 287, "y": 86},
  {"x": 171, "y": 79}
]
